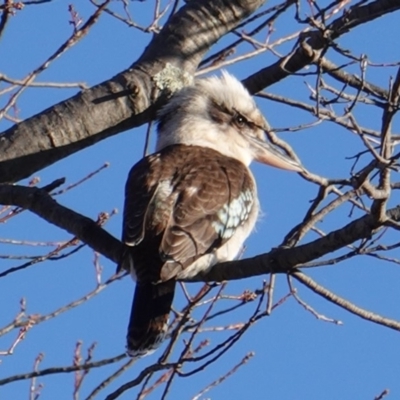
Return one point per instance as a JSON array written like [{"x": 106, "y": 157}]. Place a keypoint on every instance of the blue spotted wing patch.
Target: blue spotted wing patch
[{"x": 233, "y": 214}]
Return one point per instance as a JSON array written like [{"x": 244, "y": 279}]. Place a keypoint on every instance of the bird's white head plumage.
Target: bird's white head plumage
[{"x": 219, "y": 113}]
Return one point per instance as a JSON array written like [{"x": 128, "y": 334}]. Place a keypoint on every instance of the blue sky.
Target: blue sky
[{"x": 296, "y": 356}]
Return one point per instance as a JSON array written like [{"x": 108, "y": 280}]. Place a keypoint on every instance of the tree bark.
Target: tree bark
[
  {"x": 132, "y": 97},
  {"x": 279, "y": 260},
  {"x": 125, "y": 101}
]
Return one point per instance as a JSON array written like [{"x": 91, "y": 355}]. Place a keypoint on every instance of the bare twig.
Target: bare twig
[
  {"x": 61, "y": 370},
  {"x": 347, "y": 305},
  {"x": 218, "y": 381}
]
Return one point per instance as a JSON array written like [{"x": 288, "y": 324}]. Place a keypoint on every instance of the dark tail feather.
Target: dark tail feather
[{"x": 149, "y": 316}]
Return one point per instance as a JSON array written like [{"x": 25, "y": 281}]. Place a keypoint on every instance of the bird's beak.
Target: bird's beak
[{"x": 269, "y": 154}]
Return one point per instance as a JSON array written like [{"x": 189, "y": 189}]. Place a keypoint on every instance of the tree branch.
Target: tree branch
[
  {"x": 125, "y": 101},
  {"x": 42, "y": 204},
  {"x": 58, "y": 370},
  {"x": 280, "y": 260},
  {"x": 347, "y": 305},
  {"x": 313, "y": 43},
  {"x": 131, "y": 98},
  {"x": 283, "y": 260},
  {"x": 354, "y": 81}
]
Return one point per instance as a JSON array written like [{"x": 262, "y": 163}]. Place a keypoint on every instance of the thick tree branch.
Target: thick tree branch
[
  {"x": 42, "y": 204},
  {"x": 282, "y": 260},
  {"x": 279, "y": 260},
  {"x": 125, "y": 101},
  {"x": 130, "y": 98}
]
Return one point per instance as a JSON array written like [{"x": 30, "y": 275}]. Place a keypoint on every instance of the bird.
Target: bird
[{"x": 193, "y": 202}]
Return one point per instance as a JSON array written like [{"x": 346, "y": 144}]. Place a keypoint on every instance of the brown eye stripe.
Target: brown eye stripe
[
  {"x": 218, "y": 113},
  {"x": 221, "y": 114}
]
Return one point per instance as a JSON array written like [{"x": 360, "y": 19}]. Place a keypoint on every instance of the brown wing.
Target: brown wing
[
  {"x": 180, "y": 204},
  {"x": 139, "y": 190}
]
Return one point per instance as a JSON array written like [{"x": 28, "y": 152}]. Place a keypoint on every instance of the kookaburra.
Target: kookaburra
[{"x": 192, "y": 203}]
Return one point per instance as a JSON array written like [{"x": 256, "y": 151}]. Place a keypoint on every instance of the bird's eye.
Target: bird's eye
[{"x": 240, "y": 120}]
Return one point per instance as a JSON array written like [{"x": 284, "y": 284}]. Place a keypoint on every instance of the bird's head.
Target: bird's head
[{"x": 219, "y": 113}]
